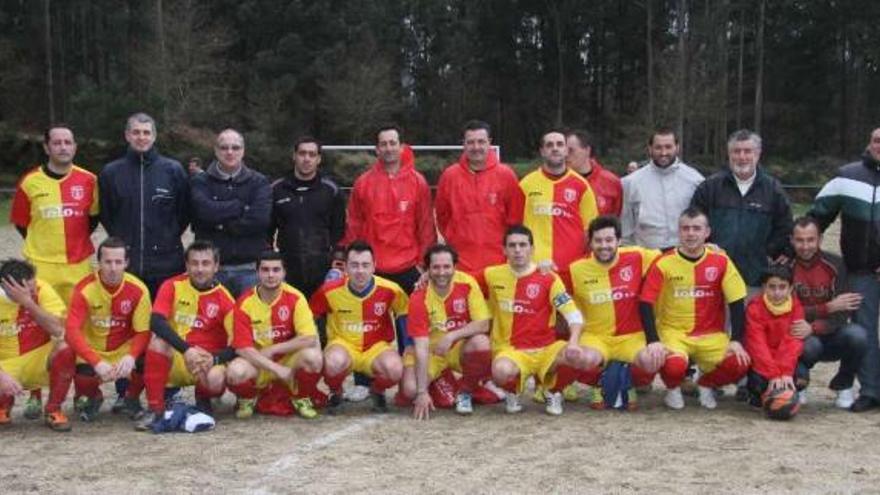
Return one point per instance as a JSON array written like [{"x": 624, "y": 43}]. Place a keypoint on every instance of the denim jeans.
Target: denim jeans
[
  {"x": 846, "y": 344},
  {"x": 868, "y": 286},
  {"x": 238, "y": 278}
]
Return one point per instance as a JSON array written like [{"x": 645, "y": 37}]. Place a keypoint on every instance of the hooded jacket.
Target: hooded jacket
[
  {"x": 145, "y": 201},
  {"x": 854, "y": 194},
  {"x": 393, "y": 214},
  {"x": 232, "y": 212},
  {"x": 474, "y": 209}
]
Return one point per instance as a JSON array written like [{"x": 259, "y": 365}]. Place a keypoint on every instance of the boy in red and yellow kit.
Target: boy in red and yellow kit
[
  {"x": 687, "y": 289},
  {"x": 276, "y": 340},
  {"x": 192, "y": 330},
  {"x": 30, "y": 317},
  {"x": 108, "y": 327},
  {"x": 363, "y": 313},
  {"x": 770, "y": 319}
]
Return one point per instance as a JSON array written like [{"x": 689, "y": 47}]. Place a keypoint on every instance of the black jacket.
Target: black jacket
[
  {"x": 751, "y": 227},
  {"x": 309, "y": 217},
  {"x": 854, "y": 194},
  {"x": 233, "y": 213},
  {"x": 145, "y": 201}
]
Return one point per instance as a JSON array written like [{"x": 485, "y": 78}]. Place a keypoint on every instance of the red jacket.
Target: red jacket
[
  {"x": 393, "y": 214},
  {"x": 474, "y": 209},
  {"x": 769, "y": 342},
  {"x": 607, "y": 188}
]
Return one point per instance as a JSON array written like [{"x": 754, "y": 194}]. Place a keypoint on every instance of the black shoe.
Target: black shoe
[
  {"x": 145, "y": 422},
  {"x": 90, "y": 411},
  {"x": 205, "y": 406},
  {"x": 133, "y": 408},
  {"x": 742, "y": 394},
  {"x": 379, "y": 404},
  {"x": 334, "y": 404},
  {"x": 864, "y": 403},
  {"x": 118, "y": 405},
  {"x": 840, "y": 382}
]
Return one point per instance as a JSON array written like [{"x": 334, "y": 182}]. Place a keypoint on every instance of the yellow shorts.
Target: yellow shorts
[
  {"x": 31, "y": 369},
  {"x": 180, "y": 376},
  {"x": 436, "y": 364},
  {"x": 63, "y": 277},
  {"x": 705, "y": 350},
  {"x": 616, "y": 347},
  {"x": 535, "y": 362},
  {"x": 111, "y": 357},
  {"x": 362, "y": 361},
  {"x": 265, "y": 378}
]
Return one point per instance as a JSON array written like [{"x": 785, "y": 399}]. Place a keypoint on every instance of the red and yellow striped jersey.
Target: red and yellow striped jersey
[
  {"x": 201, "y": 318},
  {"x": 260, "y": 324},
  {"x": 524, "y": 308},
  {"x": 104, "y": 321},
  {"x": 689, "y": 296},
  {"x": 19, "y": 332},
  {"x": 608, "y": 295},
  {"x": 431, "y": 314},
  {"x": 360, "y": 321},
  {"x": 557, "y": 211},
  {"x": 56, "y": 214}
]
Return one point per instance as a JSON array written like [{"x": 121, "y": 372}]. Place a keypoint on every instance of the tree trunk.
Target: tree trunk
[
  {"x": 50, "y": 84},
  {"x": 649, "y": 50},
  {"x": 759, "y": 76}
]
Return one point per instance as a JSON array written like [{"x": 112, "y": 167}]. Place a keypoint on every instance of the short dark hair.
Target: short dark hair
[
  {"x": 662, "y": 131},
  {"x": 518, "y": 229},
  {"x": 778, "y": 270},
  {"x": 271, "y": 255},
  {"x": 19, "y": 270},
  {"x": 202, "y": 245},
  {"x": 551, "y": 130},
  {"x": 584, "y": 137},
  {"x": 604, "y": 222},
  {"x": 476, "y": 125},
  {"x": 389, "y": 126},
  {"x": 306, "y": 139},
  {"x": 806, "y": 221},
  {"x": 112, "y": 243},
  {"x": 48, "y": 131},
  {"x": 440, "y": 248},
  {"x": 693, "y": 212},
  {"x": 359, "y": 246}
]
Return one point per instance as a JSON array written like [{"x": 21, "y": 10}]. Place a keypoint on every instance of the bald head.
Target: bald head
[{"x": 229, "y": 150}]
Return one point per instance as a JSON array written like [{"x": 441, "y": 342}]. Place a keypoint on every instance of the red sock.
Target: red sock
[
  {"x": 205, "y": 393},
  {"x": 7, "y": 401},
  {"x": 334, "y": 382},
  {"x": 37, "y": 393},
  {"x": 157, "y": 367},
  {"x": 674, "y": 370},
  {"x": 476, "y": 366},
  {"x": 512, "y": 385},
  {"x": 565, "y": 376},
  {"x": 135, "y": 385},
  {"x": 244, "y": 390},
  {"x": 381, "y": 383},
  {"x": 591, "y": 376},
  {"x": 306, "y": 382},
  {"x": 640, "y": 377},
  {"x": 87, "y": 385},
  {"x": 61, "y": 371},
  {"x": 728, "y": 371}
]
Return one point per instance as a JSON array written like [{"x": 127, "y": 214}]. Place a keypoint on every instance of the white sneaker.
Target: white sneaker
[
  {"x": 358, "y": 393},
  {"x": 495, "y": 389},
  {"x": 463, "y": 403},
  {"x": 674, "y": 399},
  {"x": 802, "y": 397},
  {"x": 553, "y": 403},
  {"x": 845, "y": 398},
  {"x": 512, "y": 404},
  {"x": 707, "y": 397}
]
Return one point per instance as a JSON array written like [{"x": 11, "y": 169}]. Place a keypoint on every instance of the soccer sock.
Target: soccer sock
[
  {"x": 334, "y": 382},
  {"x": 476, "y": 366},
  {"x": 203, "y": 392},
  {"x": 674, "y": 370},
  {"x": 728, "y": 371},
  {"x": 61, "y": 371},
  {"x": 640, "y": 377},
  {"x": 590, "y": 376},
  {"x": 512, "y": 385},
  {"x": 244, "y": 390},
  {"x": 565, "y": 376},
  {"x": 87, "y": 385},
  {"x": 157, "y": 367},
  {"x": 306, "y": 382},
  {"x": 381, "y": 383},
  {"x": 135, "y": 385}
]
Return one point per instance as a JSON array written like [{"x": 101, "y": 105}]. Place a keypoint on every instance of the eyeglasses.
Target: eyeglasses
[{"x": 230, "y": 147}]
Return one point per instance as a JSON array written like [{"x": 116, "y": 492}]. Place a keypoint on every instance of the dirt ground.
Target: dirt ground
[{"x": 653, "y": 450}]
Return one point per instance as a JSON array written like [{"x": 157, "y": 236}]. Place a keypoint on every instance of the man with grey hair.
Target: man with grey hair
[
  {"x": 231, "y": 207},
  {"x": 749, "y": 213},
  {"x": 144, "y": 200}
]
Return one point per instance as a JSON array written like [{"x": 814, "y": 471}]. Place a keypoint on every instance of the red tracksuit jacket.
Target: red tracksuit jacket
[{"x": 769, "y": 341}]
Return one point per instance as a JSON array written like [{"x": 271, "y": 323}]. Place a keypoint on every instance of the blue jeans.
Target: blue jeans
[
  {"x": 868, "y": 286},
  {"x": 238, "y": 278},
  {"x": 846, "y": 344}
]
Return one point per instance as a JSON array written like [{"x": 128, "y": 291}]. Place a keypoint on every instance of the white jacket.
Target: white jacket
[{"x": 653, "y": 198}]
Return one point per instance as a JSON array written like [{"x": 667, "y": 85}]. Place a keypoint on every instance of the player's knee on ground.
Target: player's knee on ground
[
  {"x": 477, "y": 343},
  {"x": 311, "y": 360},
  {"x": 674, "y": 370},
  {"x": 240, "y": 371}
]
